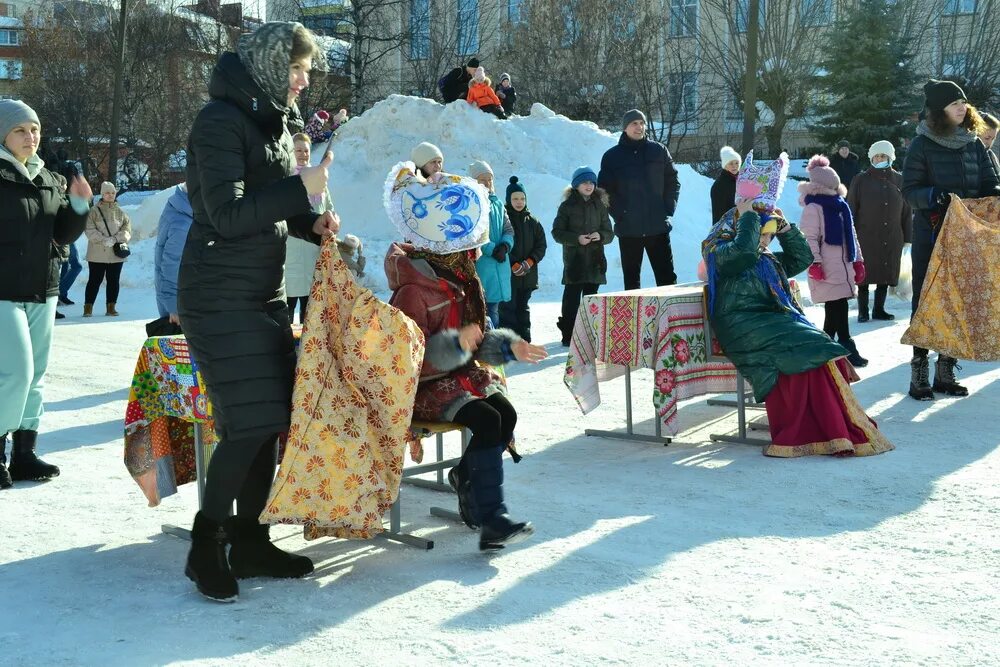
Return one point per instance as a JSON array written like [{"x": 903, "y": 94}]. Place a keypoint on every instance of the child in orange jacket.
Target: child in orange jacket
[{"x": 481, "y": 94}]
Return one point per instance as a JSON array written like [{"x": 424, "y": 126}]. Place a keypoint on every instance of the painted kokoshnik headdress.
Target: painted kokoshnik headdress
[
  {"x": 447, "y": 216},
  {"x": 762, "y": 186}
]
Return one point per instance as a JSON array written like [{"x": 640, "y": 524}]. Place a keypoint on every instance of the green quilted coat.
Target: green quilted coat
[{"x": 756, "y": 332}]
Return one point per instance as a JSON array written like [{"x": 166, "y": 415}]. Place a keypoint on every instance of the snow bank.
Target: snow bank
[{"x": 542, "y": 149}]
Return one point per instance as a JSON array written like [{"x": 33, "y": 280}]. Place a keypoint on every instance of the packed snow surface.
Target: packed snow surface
[{"x": 698, "y": 553}]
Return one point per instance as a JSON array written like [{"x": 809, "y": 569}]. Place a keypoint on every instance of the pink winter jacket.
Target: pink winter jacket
[{"x": 839, "y": 270}]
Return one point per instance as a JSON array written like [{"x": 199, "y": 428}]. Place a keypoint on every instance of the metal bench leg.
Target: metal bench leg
[{"x": 394, "y": 534}]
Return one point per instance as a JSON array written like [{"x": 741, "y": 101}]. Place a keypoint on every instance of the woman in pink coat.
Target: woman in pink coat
[{"x": 837, "y": 263}]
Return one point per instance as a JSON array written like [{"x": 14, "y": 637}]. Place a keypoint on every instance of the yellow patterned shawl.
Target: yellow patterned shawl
[
  {"x": 355, "y": 385},
  {"x": 959, "y": 311}
]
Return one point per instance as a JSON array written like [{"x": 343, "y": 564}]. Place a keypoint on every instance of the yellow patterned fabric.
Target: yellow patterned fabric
[
  {"x": 959, "y": 311},
  {"x": 355, "y": 385}
]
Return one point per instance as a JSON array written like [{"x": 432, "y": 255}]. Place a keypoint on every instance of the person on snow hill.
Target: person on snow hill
[
  {"x": 845, "y": 163},
  {"x": 837, "y": 264},
  {"x": 107, "y": 226},
  {"x": 528, "y": 251},
  {"x": 246, "y": 199},
  {"x": 39, "y": 218},
  {"x": 301, "y": 255},
  {"x": 723, "y": 192},
  {"x": 582, "y": 227},
  {"x": 455, "y": 84},
  {"x": 494, "y": 265},
  {"x": 435, "y": 284},
  {"x": 794, "y": 368},
  {"x": 322, "y": 126},
  {"x": 946, "y": 158},
  {"x": 481, "y": 94},
  {"x": 642, "y": 185},
  {"x": 884, "y": 222},
  {"x": 171, "y": 235},
  {"x": 505, "y": 91}
]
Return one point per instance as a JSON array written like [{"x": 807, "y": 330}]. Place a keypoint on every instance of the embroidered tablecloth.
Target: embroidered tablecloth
[
  {"x": 165, "y": 402},
  {"x": 661, "y": 328}
]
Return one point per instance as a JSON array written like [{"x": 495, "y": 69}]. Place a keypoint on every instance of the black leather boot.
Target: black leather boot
[
  {"x": 879, "y": 312},
  {"x": 920, "y": 386},
  {"x": 853, "y": 356},
  {"x": 207, "y": 566},
  {"x": 944, "y": 377},
  {"x": 486, "y": 473},
  {"x": 862, "y": 303},
  {"x": 24, "y": 465},
  {"x": 459, "y": 480},
  {"x": 5, "y": 481},
  {"x": 251, "y": 553}
]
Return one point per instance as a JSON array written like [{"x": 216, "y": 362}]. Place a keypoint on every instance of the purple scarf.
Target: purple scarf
[{"x": 838, "y": 222}]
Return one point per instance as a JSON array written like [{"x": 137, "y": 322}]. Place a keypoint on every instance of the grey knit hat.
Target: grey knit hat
[
  {"x": 632, "y": 115},
  {"x": 12, "y": 114}
]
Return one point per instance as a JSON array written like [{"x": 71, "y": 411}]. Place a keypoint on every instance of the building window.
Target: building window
[
  {"x": 953, "y": 7},
  {"x": 683, "y": 18},
  {"x": 420, "y": 29},
  {"x": 324, "y": 24},
  {"x": 515, "y": 9},
  {"x": 468, "y": 27},
  {"x": 683, "y": 98},
  {"x": 743, "y": 14},
  {"x": 9, "y": 38},
  {"x": 8, "y": 10},
  {"x": 954, "y": 64},
  {"x": 10, "y": 69},
  {"x": 816, "y": 12}
]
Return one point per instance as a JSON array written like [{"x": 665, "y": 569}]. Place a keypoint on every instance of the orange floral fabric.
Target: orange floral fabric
[
  {"x": 959, "y": 311},
  {"x": 355, "y": 385}
]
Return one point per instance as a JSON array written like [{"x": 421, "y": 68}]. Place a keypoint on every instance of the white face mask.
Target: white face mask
[{"x": 881, "y": 165}]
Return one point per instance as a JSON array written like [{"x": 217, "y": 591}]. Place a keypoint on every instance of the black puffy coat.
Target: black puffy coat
[
  {"x": 846, "y": 167},
  {"x": 529, "y": 241},
  {"x": 230, "y": 293},
  {"x": 455, "y": 85},
  {"x": 641, "y": 181},
  {"x": 583, "y": 264},
  {"x": 36, "y": 220},
  {"x": 723, "y": 195}
]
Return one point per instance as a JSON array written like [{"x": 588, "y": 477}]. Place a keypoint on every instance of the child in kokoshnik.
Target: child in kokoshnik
[
  {"x": 435, "y": 283},
  {"x": 796, "y": 369},
  {"x": 528, "y": 251},
  {"x": 582, "y": 227}
]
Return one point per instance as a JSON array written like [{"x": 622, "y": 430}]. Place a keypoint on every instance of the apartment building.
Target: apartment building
[{"x": 11, "y": 33}]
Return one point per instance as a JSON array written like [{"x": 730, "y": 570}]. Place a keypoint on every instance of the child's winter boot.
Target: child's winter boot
[
  {"x": 853, "y": 356},
  {"x": 458, "y": 477},
  {"x": 486, "y": 473}
]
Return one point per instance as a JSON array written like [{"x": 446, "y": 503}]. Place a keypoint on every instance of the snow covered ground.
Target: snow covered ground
[{"x": 697, "y": 553}]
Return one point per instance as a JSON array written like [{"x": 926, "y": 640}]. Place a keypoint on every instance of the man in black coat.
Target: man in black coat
[
  {"x": 845, "y": 163},
  {"x": 641, "y": 180},
  {"x": 455, "y": 84}
]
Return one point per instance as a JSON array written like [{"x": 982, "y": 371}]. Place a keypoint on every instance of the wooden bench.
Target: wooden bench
[{"x": 410, "y": 476}]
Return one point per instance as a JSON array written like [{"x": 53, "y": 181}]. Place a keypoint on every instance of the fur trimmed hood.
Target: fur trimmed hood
[
  {"x": 600, "y": 193},
  {"x": 807, "y": 188}
]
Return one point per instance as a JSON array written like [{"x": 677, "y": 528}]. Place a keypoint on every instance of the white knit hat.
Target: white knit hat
[
  {"x": 882, "y": 147},
  {"x": 727, "y": 154},
  {"x": 480, "y": 167},
  {"x": 424, "y": 153},
  {"x": 480, "y": 75},
  {"x": 108, "y": 186}
]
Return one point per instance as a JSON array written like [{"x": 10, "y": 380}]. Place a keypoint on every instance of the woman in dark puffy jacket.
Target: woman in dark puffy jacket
[
  {"x": 36, "y": 220},
  {"x": 243, "y": 189},
  {"x": 946, "y": 158}
]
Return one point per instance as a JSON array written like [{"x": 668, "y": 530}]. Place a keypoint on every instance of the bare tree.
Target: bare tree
[{"x": 969, "y": 38}]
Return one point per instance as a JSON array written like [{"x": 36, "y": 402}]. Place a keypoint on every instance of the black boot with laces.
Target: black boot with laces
[
  {"x": 920, "y": 387},
  {"x": 944, "y": 377}
]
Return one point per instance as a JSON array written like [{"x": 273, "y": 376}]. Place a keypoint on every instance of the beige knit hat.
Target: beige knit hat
[
  {"x": 108, "y": 186},
  {"x": 424, "y": 153},
  {"x": 480, "y": 167}
]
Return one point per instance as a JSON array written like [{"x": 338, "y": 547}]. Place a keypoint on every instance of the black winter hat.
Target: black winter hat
[
  {"x": 939, "y": 94},
  {"x": 515, "y": 186},
  {"x": 473, "y": 62},
  {"x": 843, "y": 143}
]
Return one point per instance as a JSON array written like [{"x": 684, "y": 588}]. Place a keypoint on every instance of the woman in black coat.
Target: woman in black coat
[
  {"x": 946, "y": 158},
  {"x": 231, "y": 301},
  {"x": 36, "y": 220},
  {"x": 723, "y": 192}
]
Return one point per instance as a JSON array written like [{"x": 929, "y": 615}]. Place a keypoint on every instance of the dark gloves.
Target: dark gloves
[
  {"x": 500, "y": 252},
  {"x": 940, "y": 198}
]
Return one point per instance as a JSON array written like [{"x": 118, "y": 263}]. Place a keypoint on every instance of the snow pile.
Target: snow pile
[{"x": 541, "y": 149}]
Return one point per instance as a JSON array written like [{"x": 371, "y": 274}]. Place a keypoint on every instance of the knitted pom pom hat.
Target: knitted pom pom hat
[
  {"x": 515, "y": 186},
  {"x": 821, "y": 174},
  {"x": 480, "y": 75}
]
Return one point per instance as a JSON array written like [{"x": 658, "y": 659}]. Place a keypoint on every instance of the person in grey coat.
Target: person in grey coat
[{"x": 246, "y": 200}]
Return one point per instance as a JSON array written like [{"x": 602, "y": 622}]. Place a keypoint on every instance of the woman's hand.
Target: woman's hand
[
  {"x": 469, "y": 337},
  {"x": 327, "y": 224},
  {"x": 81, "y": 188},
  {"x": 595, "y": 236},
  {"x": 525, "y": 351},
  {"x": 314, "y": 178},
  {"x": 584, "y": 239},
  {"x": 175, "y": 319}
]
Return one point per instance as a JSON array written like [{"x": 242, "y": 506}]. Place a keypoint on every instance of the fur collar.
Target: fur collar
[
  {"x": 601, "y": 194},
  {"x": 807, "y": 188}
]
